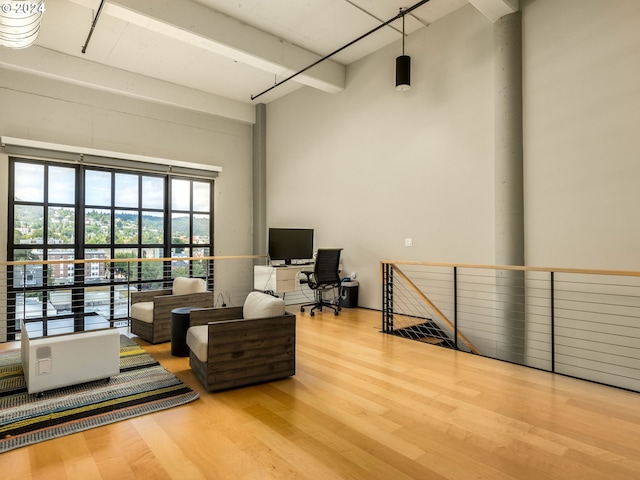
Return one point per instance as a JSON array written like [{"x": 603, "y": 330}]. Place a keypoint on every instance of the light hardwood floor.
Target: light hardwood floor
[{"x": 363, "y": 405}]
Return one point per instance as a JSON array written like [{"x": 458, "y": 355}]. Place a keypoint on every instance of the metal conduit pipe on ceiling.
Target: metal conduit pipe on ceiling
[{"x": 326, "y": 57}]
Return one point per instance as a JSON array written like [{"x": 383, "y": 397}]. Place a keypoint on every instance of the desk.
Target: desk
[{"x": 278, "y": 279}]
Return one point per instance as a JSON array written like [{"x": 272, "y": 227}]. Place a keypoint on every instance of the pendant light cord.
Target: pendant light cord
[
  {"x": 93, "y": 26},
  {"x": 403, "y": 35}
]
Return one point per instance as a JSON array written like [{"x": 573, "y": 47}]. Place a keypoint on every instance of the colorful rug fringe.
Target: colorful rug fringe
[{"x": 143, "y": 386}]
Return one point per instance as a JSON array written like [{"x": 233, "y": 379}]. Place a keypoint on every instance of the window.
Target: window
[
  {"x": 62, "y": 212},
  {"x": 190, "y": 226}
]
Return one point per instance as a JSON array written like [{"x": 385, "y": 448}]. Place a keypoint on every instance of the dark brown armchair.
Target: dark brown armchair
[
  {"x": 236, "y": 346},
  {"x": 151, "y": 310}
]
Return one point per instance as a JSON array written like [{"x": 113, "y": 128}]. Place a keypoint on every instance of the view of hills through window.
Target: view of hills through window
[
  {"x": 28, "y": 227},
  {"x": 120, "y": 215}
]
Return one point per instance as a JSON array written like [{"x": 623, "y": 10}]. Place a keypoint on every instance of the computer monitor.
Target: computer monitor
[{"x": 290, "y": 244}]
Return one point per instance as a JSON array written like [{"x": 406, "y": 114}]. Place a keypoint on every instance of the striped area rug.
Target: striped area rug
[{"x": 143, "y": 386}]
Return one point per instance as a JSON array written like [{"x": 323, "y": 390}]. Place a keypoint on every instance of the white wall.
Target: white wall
[
  {"x": 45, "y": 110},
  {"x": 371, "y": 166},
  {"x": 582, "y": 133},
  {"x": 389, "y": 165},
  {"x": 582, "y": 169}
]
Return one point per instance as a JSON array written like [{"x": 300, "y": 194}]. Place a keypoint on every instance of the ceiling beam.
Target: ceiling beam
[
  {"x": 494, "y": 10},
  {"x": 196, "y": 25},
  {"x": 50, "y": 64}
]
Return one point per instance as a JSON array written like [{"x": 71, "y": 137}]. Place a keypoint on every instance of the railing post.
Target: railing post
[
  {"x": 387, "y": 298},
  {"x": 553, "y": 321},
  {"x": 383, "y": 267},
  {"x": 383, "y": 276},
  {"x": 455, "y": 307},
  {"x": 390, "y": 299}
]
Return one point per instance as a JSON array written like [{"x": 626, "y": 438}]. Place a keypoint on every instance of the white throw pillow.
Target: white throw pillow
[
  {"x": 184, "y": 285},
  {"x": 261, "y": 305}
]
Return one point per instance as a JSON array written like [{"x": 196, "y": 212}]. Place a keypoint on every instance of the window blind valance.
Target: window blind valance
[{"x": 92, "y": 156}]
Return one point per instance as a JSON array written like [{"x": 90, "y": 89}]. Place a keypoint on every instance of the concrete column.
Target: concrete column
[
  {"x": 509, "y": 200},
  {"x": 260, "y": 181}
]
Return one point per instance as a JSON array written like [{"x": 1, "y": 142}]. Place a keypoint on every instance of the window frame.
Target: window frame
[{"x": 80, "y": 248}]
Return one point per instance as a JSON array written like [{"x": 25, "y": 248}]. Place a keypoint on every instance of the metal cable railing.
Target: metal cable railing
[
  {"x": 581, "y": 323},
  {"x": 63, "y": 296}
]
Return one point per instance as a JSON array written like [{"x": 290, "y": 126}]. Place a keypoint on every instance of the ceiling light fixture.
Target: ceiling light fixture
[
  {"x": 20, "y": 22},
  {"x": 382, "y": 25},
  {"x": 403, "y": 65}
]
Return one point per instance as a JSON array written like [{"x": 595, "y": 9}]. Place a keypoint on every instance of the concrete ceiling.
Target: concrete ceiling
[{"x": 214, "y": 56}]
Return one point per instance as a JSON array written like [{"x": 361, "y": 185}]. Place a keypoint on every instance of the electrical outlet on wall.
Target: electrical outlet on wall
[{"x": 408, "y": 242}]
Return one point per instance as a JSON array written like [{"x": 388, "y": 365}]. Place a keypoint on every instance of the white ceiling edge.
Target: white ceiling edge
[
  {"x": 48, "y": 63},
  {"x": 202, "y": 27},
  {"x": 494, "y": 10}
]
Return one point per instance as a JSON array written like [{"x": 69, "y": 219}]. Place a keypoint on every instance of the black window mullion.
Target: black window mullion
[
  {"x": 80, "y": 215},
  {"x": 79, "y": 274},
  {"x": 12, "y": 328},
  {"x": 168, "y": 241},
  {"x": 78, "y": 284},
  {"x": 138, "y": 265},
  {"x": 211, "y": 270},
  {"x": 191, "y": 231}
]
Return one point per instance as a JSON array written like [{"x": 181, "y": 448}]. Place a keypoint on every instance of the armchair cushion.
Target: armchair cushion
[
  {"x": 262, "y": 305},
  {"x": 184, "y": 285},
  {"x": 142, "y": 311},
  {"x": 198, "y": 341}
]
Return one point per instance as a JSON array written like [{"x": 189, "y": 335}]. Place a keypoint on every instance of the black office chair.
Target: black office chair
[{"x": 325, "y": 276}]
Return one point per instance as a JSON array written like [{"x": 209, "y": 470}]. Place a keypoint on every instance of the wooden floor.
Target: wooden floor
[{"x": 363, "y": 405}]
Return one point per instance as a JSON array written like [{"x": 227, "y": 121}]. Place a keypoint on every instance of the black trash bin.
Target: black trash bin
[{"x": 348, "y": 294}]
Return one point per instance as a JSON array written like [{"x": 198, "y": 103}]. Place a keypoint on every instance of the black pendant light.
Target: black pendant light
[{"x": 403, "y": 67}]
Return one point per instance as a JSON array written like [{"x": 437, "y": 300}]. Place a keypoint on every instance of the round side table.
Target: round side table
[{"x": 179, "y": 325}]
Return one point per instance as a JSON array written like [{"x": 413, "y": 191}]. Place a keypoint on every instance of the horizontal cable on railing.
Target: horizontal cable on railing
[
  {"x": 588, "y": 317},
  {"x": 74, "y": 294}
]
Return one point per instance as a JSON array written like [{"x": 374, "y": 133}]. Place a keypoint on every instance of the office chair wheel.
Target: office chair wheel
[
  {"x": 336, "y": 313},
  {"x": 302, "y": 310},
  {"x": 312, "y": 313}
]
